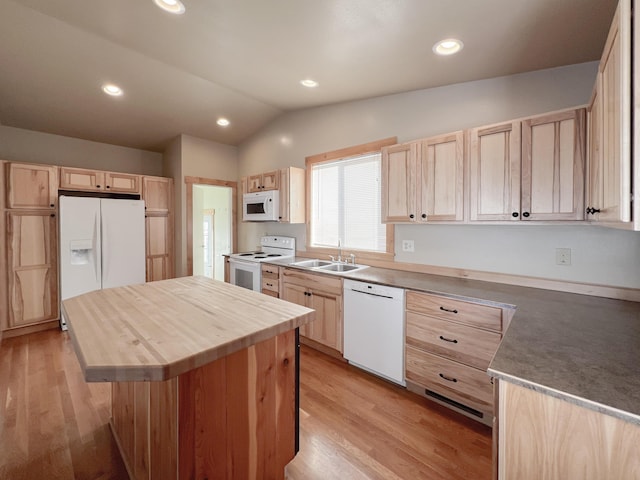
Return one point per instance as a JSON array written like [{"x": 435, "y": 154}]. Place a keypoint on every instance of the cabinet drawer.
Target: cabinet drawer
[
  {"x": 464, "y": 384},
  {"x": 462, "y": 343},
  {"x": 269, "y": 271},
  {"x": 473, "y": 314},
  {"x": 270, "y": 284},
  {"x": 323, "y": 283}
]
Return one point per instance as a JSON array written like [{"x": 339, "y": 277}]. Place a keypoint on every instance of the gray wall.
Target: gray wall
[
  {"x": 19, "y": 145},
  {"x": 600, "y": 255}
]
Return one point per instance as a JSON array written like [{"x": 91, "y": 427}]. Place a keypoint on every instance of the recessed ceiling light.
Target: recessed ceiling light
[
  {"x": 223, "y": 122},
  {"x": 309, "y": 83},
  {"x": 171, "y": 6},
  {"x": 111, "y": 89},
  {"x": 448, "y": 46}
]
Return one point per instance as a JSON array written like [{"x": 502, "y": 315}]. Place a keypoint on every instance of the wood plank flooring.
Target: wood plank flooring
[{"x": 53, "y": 425}]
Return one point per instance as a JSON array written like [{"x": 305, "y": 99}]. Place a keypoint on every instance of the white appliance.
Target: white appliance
[
  {"x": 261, "y": 206},
  {"x": 374, "y": 329},
  {"x": 102, "y": 245},
  {"x": 245, "y": 269}
]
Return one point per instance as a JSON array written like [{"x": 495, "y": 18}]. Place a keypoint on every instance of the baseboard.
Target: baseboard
[{"x": 27, "y": 329}]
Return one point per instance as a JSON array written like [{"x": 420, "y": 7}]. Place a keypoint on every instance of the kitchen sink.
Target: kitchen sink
[
  {"x": 341, "y": 267},
  {"x": 315, "y": 263}
]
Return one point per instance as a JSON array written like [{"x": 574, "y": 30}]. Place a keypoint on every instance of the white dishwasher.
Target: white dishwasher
[{"x": 374, "y": 328}]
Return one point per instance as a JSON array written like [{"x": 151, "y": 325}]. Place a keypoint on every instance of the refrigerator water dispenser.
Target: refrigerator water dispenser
[{"x": 80, "y": 252}]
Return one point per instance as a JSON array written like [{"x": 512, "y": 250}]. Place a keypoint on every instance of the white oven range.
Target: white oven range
[{"x": 245, "y": 269}]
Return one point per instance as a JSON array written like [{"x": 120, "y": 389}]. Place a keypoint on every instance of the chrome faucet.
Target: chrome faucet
[
  {"x": 339, "y": 259},
  {"x": 353, "y": 258}
]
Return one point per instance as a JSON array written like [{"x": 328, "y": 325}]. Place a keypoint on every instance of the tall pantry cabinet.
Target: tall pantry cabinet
[
  {"x": 31, "y": 245},
  {"x": 29, "y": 290}
]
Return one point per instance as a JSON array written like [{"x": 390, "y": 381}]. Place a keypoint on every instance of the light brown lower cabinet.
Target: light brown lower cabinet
[
  {"x": 233, "y": 418},
  {"x": 449, "y": 344},
  {"x": 546, "y": 438},
  {"x": 270, "y": 280},
  {"x": 322, "y": 293},
  {"x": 32, "y": 266}
]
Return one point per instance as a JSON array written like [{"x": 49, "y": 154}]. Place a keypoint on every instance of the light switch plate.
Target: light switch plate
[{"x": 563, "y": 256}]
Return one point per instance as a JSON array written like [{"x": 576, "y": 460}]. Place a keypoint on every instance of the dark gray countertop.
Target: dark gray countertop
[{"x": 580, "y": 348}]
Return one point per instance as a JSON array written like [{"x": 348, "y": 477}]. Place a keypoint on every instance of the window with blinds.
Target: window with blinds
[{"x": 345, "y": 204}]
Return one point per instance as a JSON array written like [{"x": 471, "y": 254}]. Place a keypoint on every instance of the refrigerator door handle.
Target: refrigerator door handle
[
  {"x": 97, "y": 244},
  {"x": 104, "y": 233}
]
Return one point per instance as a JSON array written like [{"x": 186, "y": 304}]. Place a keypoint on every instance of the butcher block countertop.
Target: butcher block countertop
[
  {"x": 159, "y": 330},
  {"x": 583, "y": 349}
]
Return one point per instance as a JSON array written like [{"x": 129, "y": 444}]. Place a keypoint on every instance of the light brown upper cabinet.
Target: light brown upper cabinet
[
  {"x": 292, "y": 195},
  {"x": 157, "y": 194},
  {"x": 97, "y": 180},
  {"x": 609, "y": 180},
  {"x": 32, "y": 186},
  {"x": 494, "y": 172},
  {"x": 553, "y": 162},
  {"x": 529, "y": 170},
  {"x": 423, "y": 181},
  {"x": 32, "y": 266},
  {"x": 264, "y": 181}
]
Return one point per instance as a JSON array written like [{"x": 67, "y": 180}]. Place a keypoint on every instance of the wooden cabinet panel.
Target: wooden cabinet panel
[
  {"x": 264, "y": 181},
  {"x": 494, "y": 166},
  {"x": 399, "y": 183},
  {"x": 593, "y": 194},
  {"x": 122, "y": 182},
  {"x": 159, "y": 248},
  {"x": 270, "y": 280},
  {"x": 32, "y": 266},
  {"x": 553, "y": 163},
  {"x": 97, "y": 180},
  {"x": 324, "y": 295},
  {"x": 292, "y": 195},
  {"x": 543, "y": 437},
  {"x": 81, "y": 179},
  {"x": 441, "y": 178},
  {"x": 466, "y": 385},
  {"x": 473, "y": 314},
  {"x": 461, "y": 343},
  {"x": 157, "y": 193},
  {"x": 32, "y": 186}
]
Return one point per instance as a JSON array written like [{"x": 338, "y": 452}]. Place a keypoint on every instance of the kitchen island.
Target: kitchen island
[{"x": 204, "y": 375}]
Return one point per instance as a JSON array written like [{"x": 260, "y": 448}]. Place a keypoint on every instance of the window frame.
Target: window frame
[{"x": 343, "y": 154}]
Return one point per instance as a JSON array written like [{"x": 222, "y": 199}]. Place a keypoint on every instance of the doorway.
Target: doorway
[{"x": 210, "y": 226}]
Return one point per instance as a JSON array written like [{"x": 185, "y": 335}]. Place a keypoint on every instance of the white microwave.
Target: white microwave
[{"x": 261, "y": 206}]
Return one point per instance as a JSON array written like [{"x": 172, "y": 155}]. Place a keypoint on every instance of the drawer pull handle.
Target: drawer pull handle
[
  {"x": 269, "y": 284},
  {"x": 447, "y": 310},
  {"x": 448, "y": 379},
  {"x": 448, "y": 339}
]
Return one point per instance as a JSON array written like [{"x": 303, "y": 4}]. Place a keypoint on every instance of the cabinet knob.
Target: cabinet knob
[
  {"x": 97, "y": 186},
  {"x": 424, "y": 215},
  {"x": 52, "y": 205},
  {"x": 53, "y": 215},
  {"x": 108, "y": 186},
  {"x": 525, "y": 214},
  {"x": 592, "y": 210},
  {"x": 412, "y": 216},
  {"x": 515, "y": 214}
]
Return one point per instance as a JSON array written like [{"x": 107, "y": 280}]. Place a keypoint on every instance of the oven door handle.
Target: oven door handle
[{"x": 237, "y": 261}]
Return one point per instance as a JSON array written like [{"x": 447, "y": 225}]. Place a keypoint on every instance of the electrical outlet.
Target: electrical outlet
[
  {"x": 563, "y": 256},
  {"x": 407, "y": 246}
]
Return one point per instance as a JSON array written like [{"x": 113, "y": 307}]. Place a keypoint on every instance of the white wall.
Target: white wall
[
  {"x": 599, "y": 255},
  {"x": 19, "y": 145}
]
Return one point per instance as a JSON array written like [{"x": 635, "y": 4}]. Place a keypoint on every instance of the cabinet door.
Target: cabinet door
[
  {"x": 122, "y": 182},
  {"x": 593, "y": 192},
  {"x": 399, "y": 163},
  {"x": 32, "y": 267},
  {"x": 159, "y": 247},
  {"x": 553, "y": 162},
  {"x": 494, "y": 164},
  {"x": 441, "y": 178},
  {"x": 298, "y": 295},
  {"x": 284, "y": 195},
  {"x": 327, "y": 327},
  {"x": 157, "y": 193},
  {"x": 271, "y": 180},
  {"x": 254, "y": 183},
  {"x": 81, "y": 179},
  {"x": 32, "y": 186},
  {"x": 615, "y": 69}
]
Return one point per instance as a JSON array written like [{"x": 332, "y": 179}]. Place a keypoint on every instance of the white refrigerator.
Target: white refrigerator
[{"x": 102, "y": 245}]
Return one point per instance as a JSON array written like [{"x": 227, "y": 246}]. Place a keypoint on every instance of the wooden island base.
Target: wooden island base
[{"x": 233, "y": 418}]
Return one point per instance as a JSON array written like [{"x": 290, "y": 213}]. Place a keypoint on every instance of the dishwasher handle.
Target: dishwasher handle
[{"x": 370, "y": 293}]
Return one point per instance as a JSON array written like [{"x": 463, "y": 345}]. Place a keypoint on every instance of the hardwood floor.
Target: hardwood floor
[{"x": 354, "y": 426}]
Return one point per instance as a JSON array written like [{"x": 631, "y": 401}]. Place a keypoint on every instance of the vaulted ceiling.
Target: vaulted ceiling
[{"x": 244, "y": 59}]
